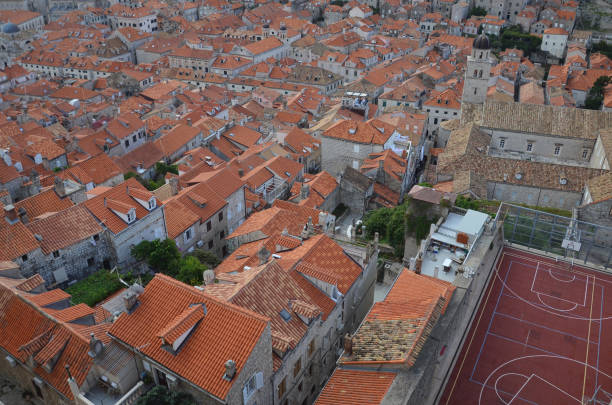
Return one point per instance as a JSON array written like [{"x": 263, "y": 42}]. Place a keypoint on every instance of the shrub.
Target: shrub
[
  {"x": 205, "y": 257},
  {"x": 95, "y": 288},
  {"x": 160, "y": 395}
]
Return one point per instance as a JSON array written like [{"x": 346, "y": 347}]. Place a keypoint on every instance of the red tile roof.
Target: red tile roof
[
  {"x": 208, "y": 344},
  {"x": 117, "y": 195},
  {"x": 65, "y": 228},
  {"x": 42, "y": 203},
  {"x": 356, "y": 387}
]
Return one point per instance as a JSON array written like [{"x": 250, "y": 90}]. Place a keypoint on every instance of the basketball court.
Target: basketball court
[{"x": 542, "y": 336}]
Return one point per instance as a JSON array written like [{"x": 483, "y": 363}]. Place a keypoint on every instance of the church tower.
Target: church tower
[{"x": 477, "y": 72}]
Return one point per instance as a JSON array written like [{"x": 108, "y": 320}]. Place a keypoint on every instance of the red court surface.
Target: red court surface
[{"x": 542, "y": 336}]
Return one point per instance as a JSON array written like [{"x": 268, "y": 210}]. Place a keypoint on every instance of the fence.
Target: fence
[{"x": 563, "y": 236}]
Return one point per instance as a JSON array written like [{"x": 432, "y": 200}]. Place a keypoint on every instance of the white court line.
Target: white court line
[
  {"x": 535, "y": 276},
  {"x": 553, "y": 308},
  {"x": 503, "y": 375},
  {"x": 564, "y": 269},
  {"x": 544, "y": 309},
  {"x": 484, "y": 384},
  {"x": 546, "y": 382},
  {"x": 558, "y": 279}
]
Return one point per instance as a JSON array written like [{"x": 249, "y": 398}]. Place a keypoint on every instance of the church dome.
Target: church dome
[
  {"x": 10, "y": 28},
  {"x": 482, "y": 42}
]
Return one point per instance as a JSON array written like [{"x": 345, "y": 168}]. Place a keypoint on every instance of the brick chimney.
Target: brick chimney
[
  {"x": 348, "y": 344},
  {"x": 10, "y": 214}
]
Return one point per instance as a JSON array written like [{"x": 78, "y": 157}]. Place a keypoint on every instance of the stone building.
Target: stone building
[
  {"x": 470, "y": 162},
  {"x": 130, "y": 214},
  {"x": 478, "y": 72},
  {"x": 171, "y": 326},
  {"x": 347, "y": 143},
  {"x": 314, "y": 290}
]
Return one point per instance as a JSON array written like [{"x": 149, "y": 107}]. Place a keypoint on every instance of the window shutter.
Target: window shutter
[
  {"x": 245, "y": 394},
  {"x": 259, "y": 380}
]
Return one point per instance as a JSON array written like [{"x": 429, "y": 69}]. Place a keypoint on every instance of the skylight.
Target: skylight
[{"x": 285, "y": 315}]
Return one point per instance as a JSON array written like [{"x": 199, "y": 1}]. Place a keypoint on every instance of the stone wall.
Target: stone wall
[
  {"x": 543, "y": 147},
  {"x": 149, "y": 228},
  {"x": 535, "y": 196},
  {"x": 337, "y": 154},
  {"x": 23, "y": 376}
]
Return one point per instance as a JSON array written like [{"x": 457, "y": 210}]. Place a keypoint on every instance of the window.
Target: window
[
  {"x": 56, "y": 253},
  {"x": 529, "y": 146},
  {"x": 252, "y": 385},
  {"x": 210, "y": 244},
  {"x": 282, "y": 388},
  {"x": 221, "y": 216},
  {"x": 355, "y": 164},
  {"x": 134, "y": 138},
  {"x": 557, "y": 150},
  {"x": 502, "y": 143},
  {"x": 152, "y": 203},
  {"x": 475, "y": 91},
  {"x": 297, "y": 367},
  {"x": 90, "y": 262},
  {"x": 96, "y": 237},
  {"x": 188, "y": 234},
  {"x": 311, "y": 347},
  {"x": 208, "y": 226},
  {"x": 585, "y": 153},
  {"x": 356, "y": 148},
  {"x": 127, "y": 143},
  {"x": 24, "y": 258},
  {"x": 221, "y": 234}
]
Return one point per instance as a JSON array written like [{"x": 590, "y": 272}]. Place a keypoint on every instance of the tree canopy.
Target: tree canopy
[{"x": 595, "y": 97}]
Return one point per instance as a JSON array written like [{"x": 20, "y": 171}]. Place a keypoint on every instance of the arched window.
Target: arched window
[{"x": 480, "y": 57}]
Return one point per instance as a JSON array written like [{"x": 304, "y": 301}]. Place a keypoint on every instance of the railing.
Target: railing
[
  {"x": 132, "y": 395},
  {"x": 562, "y": 236}
]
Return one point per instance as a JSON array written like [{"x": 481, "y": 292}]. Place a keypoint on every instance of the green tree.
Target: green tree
[
  {"x": 477, "y": 11},
  {"x": 596, "y": 94},
  {"x": 162, "y": 256},
  {"x": 191, "y": 271}
]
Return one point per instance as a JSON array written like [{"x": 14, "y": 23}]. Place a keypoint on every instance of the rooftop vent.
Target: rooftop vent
[{"x": 230, "y": 370}]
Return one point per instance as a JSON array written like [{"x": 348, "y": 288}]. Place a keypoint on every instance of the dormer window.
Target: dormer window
[{"x": 131, "y": 216}]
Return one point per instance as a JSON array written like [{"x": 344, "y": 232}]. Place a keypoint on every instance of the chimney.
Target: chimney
[
  {"x": 310, "y": 226},
  {"x": 230, "y": 370},
  {"x": 209, "y": 277},
  {"x": 305, "y": 191},
  {"x": 130, "y": 299},
  {"x": 173, "y": 185},
  {"x": 23, "y": 216},
  {"x": 348, "y": 344},
  {"x": 263, "y": 254},
  {"x": 10, "y": 213},
  {"x": 60, "y": 187}
]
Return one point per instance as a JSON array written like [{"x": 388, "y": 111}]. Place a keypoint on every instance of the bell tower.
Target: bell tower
[{"x": 477, "y": 72}]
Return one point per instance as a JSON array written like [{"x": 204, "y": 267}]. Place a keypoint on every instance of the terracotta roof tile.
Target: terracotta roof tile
[
  {"x": 65, "y": 228},
  {"x": 356, "y": 387},
  {"x": 161, "y": 302},
  {"x": 42, "y": 203}
]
